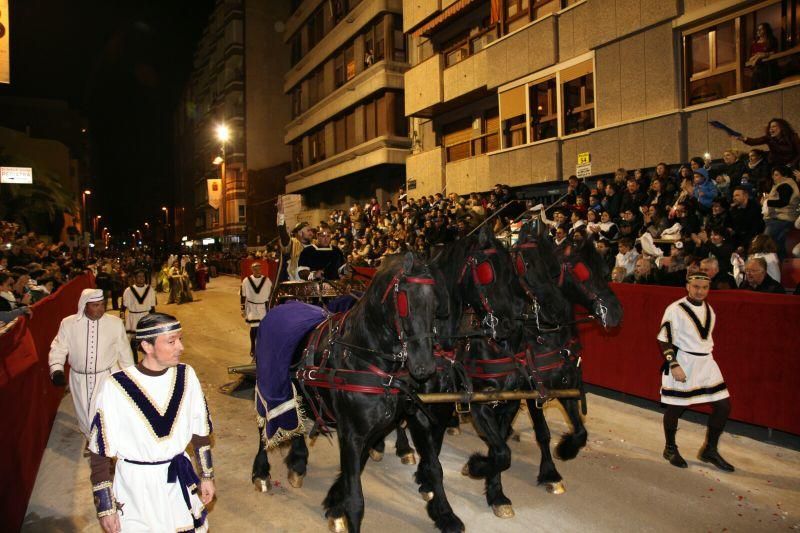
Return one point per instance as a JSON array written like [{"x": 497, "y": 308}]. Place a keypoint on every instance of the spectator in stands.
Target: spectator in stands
[
  {"x": 644, "y": 271},
  {"x": 631, "y": 223},
  {"x": 604, "y": 249},
  {"x": 757, "y": 279},
  {"x": 719, "y": 217},
  {"x": 745, "y": 217},
  {"x": 633, "y": 197},
  {"x": 627, "y": 255},
  {"x": 612, "y": 200},
  {"x": 576, "y": 221},
  {"x": 719, "y": 280},
  {"x": 618, "y": 274},
  {"x": 783, "y": 143},
  {"x": 757, "y": 173},
  {"x": 782, "y": 203},
  {"x": 705, "y": 190},
  {"x": 656, "y": 195},
  {"x": 560, "y": 237},
  {"x": 654, "y": 220},
  {"x": 732, "y": 167},
  {"x": 607, "y": 229},
  {"x": 764, "y": 247}
]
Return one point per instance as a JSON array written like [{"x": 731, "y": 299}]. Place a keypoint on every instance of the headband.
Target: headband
[
  {"x": 700, "y": 276},
  {"x": 155, "y": 331}
]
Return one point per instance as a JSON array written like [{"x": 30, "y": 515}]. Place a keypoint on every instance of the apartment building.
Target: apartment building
[
  {"x": 233, "y": 84},
  {"x": 348, "y": 132},
  {"x": 512, "y": 91}
]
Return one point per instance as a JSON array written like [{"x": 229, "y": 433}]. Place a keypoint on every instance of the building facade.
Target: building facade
[
  {"x": 347, "y": 132},
  {"x": 234, "y": 84},
  {"x": 512, "y": 91}
]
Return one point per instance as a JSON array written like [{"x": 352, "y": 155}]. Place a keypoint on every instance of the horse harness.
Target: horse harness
[{"x": 373, "y": 380}]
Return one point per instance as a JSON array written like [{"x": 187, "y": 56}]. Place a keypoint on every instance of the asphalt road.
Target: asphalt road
[{"x": 619, "y": 482}]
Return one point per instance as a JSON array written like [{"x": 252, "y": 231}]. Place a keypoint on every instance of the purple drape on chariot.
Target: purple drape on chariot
[{"x": 279, "y": 334}]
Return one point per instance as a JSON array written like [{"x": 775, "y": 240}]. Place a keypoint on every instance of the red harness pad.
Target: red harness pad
[
  {"x": 485, "y": 273},
  {"x": 402, "y": 304},
  {"x": 580, "y": 272}
]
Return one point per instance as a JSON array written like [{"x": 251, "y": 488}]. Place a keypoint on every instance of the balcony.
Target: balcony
[
  {"x": 343, "y": 32},
  {"x": 532, "y": 48},
  {"x": 423, "y": 87},
  {"x": 382, "y": 75},
  {"x": 378, "y": 151},
  {"x": 465, "y": 76}
]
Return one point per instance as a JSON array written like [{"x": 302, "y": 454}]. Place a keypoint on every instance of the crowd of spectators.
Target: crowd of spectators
[
  {"x": 31, "y": 269},
  {"x": 729, "y": 218}
]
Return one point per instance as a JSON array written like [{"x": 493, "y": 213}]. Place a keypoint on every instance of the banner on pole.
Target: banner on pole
[{"x": 215, "y": 192}]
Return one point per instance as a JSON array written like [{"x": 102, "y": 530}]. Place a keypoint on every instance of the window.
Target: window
[
  {"x": 719, "y": 58},
  {"x": 578, "y": 98},
  {"x": 711, "y": 55},
  {"x": 350, "y": 124},
  {"x": 297, "y": 103},
  {"x": 297, "y": 49},
  {"x": 544, "y": 110},
  {"x": 316, "y": 146},
  {"x": 380, "y": 39},
  {"x": 370, "y": 120},
  {"x": 456, "y": 138},
  {"x": 242, "y": 213},
  {"x": 344, "y": 65},
  {"x": 512, "y": 116},
  {"x": 471, "y": 136},
  {"x": 297, "y": 155},
  {"x": 316, "y": 27},
  {"x": 469, "y": 42},
  {"x": 316, "y": 88},
  {"x": 340, "y": 135},
  {"x": 398, "y": 40},
  {"x": 518, "y": 13}
]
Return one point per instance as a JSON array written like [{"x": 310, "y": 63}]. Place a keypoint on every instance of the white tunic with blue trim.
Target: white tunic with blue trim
[
  {"x": 689, "y": 329},
  {"x": 151, "y": 419}
]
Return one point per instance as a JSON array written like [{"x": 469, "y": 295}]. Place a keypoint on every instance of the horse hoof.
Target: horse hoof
[
  {"x": 503, "y": 511},
  {"x": 427, "y": 496},
  {"x": 295, "y": 479},
  {"x": 262, "y": 484},
  {"x": 465, "y": 470},
  {"x": 337, "y": 525},
  {"x": 375, "y": 455},
  {"x": 556, "y": 488},
  {"x": 408, "y": 459},
  {"x": 454, "y": 431}
]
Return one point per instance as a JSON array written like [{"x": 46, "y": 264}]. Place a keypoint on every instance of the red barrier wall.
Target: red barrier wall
[
  {"x": 755, "y": 345},
  {"x": 268, "y": 267},
  {"x": 28, "y": 401}
]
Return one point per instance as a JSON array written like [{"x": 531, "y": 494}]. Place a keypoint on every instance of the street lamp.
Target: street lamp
[
  {"x": 96, "y": 223},
  {"x": 166, "y": 222},
  {"x": 223, "y": 135},
  {"x": 84, "y": 218}
]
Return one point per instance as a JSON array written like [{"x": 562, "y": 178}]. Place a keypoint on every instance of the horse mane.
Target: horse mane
[{"x": 367, "y": 320}]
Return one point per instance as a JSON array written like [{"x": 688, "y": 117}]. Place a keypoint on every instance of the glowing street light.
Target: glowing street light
[{"x": 223, "y": 133}]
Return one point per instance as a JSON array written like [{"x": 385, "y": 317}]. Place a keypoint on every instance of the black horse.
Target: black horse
[
  {"x": 358, "y": 371},
  {"x": 486, "y": 302},
  {"x": 581, "y": 276}
]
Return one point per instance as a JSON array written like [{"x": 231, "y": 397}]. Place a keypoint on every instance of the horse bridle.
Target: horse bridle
[
  {"x": 401, "y": 309},
  {"x": 580, "y": 274},
  {"x": 473, "y": 264}
]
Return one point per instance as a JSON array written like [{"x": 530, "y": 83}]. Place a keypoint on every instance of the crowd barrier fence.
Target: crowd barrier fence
[{"x": 28, "y": 401}]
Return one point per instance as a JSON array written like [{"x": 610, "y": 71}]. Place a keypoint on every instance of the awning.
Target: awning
[{"x": 454, "y": 9}]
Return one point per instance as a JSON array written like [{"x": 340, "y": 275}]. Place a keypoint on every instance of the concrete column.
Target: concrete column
[{"x": 358, "y": 53}]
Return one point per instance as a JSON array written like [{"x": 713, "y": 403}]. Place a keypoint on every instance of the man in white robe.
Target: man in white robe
[
  {"x": 690, "y": 373},
  {"x": 145, "y": 419},
  {"x": 138, "y": 300},
  {"x": 254, "y": 296},
  {"x": 94, "y": 344}
]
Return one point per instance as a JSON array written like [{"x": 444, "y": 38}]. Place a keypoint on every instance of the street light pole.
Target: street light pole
[{"x": 223, "y": 134}]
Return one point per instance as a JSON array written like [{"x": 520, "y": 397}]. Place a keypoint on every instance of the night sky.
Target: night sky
[{"x": 122, "y": 64}]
